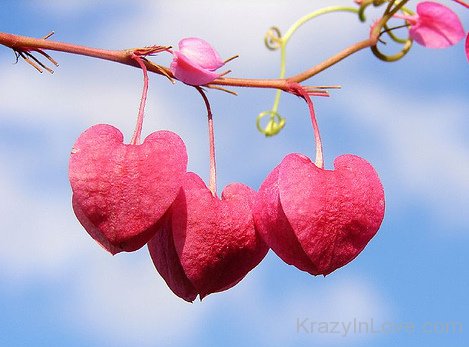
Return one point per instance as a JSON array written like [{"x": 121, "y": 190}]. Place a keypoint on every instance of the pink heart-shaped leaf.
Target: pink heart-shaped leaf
[
  {"x": 121, "y": 191},
  {"x": 316, "y": 219},
  {"x": 207, "y": 244}
]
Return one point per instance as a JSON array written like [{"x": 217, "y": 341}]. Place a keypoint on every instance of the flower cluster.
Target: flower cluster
[{"x": 127, "y": 196}]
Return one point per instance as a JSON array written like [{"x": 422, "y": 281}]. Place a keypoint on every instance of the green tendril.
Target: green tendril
[
  {"x": 406, "y": 42},
  {"x": 390, "y": 32},
  {"x": 274, "y": 40},
  {"x": 393, "y": 36},
  {"x": 361, "y": 11},
  {"x": 274, "y": 125},
  {"x": 395, "y": 57},
  {"x": 365, "y": 4},
  {"x": 312, "y": 15}
]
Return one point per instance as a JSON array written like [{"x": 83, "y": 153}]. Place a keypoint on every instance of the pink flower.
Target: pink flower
[
  {"x": 435, "y": 25},
  {"x": 195, "y": 62}
]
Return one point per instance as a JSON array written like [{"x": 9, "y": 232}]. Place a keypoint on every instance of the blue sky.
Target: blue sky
[{"x": 409, "y": 119}]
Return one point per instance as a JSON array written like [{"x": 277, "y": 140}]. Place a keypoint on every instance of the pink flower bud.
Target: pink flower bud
[
  {"x": 195, "y": 62},
  {"x": 435, "y": 26}
]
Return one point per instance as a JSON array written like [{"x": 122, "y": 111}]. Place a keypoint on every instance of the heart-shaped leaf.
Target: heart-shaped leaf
[
  {"x": 319, "y": 220},
  {"x": 120, "y": 191},
  {"x": 207, "y": 244}
]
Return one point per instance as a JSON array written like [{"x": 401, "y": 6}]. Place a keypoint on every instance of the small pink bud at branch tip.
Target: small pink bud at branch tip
[{"x": 196, "y": 62}]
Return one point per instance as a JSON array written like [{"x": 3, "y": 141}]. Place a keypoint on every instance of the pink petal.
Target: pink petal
[
  {"x": 437, "y": 26},
  {"x": 201, "y": 53},
  {"x": 186, "y": 71}
]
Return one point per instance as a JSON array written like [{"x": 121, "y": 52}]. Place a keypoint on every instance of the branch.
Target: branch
[{"x": 25, "y": 44}]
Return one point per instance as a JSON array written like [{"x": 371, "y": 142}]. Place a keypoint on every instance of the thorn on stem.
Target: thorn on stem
[
  {"x": 232, "y": 58},
  {"x": 225, "y": 73},
  {"x": 33, "y": 61},
  {"x": 48, "y": 35},
  {"x": 213, "y": 86},
  {"x": 149, "y": 51}
]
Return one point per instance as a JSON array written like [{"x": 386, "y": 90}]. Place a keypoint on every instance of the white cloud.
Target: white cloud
[
  {"x": 120, "y": 299},
  {"x": 236, "y": 27},
  {"x": 432, "y": 162},
  {"x": 278, "y": 318},
  {"x": 38, "y": 238},
  {"x": 346, "y": 301},
  {"x": 72, "y": 8},
  {"x": 123, "y": 301},
  {"x": 426, "y": 144}
]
